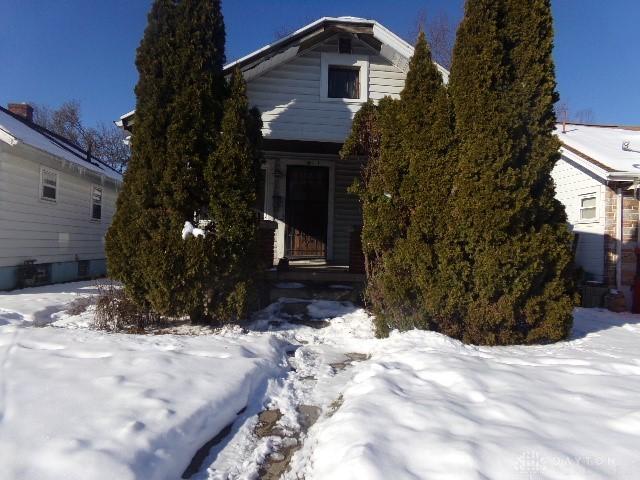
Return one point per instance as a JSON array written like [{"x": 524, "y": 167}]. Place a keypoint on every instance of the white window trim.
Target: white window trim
[
  {"x": 91, "y": 217},
  {"x": 41, "y": 185},
  {"x": 581, "y": 197},
  {"x": 344, "y": 60}
]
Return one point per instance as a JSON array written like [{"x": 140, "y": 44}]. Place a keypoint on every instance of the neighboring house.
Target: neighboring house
[
  {"x": 308, "y": 87},
  {"x": 56, "y": 203},
  {"x": 598, "y": 181}
]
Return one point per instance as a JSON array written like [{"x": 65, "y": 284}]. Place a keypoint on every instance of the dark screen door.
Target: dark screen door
[{"x": 306, "y": 210}]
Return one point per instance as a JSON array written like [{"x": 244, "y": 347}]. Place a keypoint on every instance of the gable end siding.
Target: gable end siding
[
  {"x": 289, "y": 96},
  {"x": 571, "y": 184}
]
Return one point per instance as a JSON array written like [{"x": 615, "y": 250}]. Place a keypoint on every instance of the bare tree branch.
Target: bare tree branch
[
  {"x": 440, "y": 32},
  {"x": 564, "y": 114},
  {"x": 105, "y": 142}
]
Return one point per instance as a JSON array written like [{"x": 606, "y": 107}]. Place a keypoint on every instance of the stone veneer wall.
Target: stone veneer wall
[{"x": 629, "y": 236}]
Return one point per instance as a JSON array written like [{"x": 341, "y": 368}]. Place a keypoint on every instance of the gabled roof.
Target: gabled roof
[
  {"x": 16, "y": 130},
  {"x": 379, "y": 38},
  {"x": 612, "y": 152}
]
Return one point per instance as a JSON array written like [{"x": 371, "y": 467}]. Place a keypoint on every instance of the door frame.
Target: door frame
[{"x": 276, "y": 185}]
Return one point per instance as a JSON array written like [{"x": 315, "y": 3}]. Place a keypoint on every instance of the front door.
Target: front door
[{"x": 306, "y": 211}]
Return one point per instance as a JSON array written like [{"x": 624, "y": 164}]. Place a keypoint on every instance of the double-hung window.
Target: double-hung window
[
  {"x": 48, "y": 184},
  {"x": 96, "y": 202},
  {"x": 588, "y": 207}
]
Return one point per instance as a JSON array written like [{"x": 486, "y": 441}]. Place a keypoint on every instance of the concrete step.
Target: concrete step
[{"x": 351, "y": 291}]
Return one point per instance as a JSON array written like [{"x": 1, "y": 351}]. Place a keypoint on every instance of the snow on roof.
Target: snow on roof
[
  {"x": 14, "y": 131},
  {"x": 614, "y": 149}
]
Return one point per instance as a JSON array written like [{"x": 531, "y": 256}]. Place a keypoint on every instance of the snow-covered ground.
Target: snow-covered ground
[{"x": 307, "y": 390}]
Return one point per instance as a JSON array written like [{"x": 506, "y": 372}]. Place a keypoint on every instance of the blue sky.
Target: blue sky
[{"x": 52, "y": 51}]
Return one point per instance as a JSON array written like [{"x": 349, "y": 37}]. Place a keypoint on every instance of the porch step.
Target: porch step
[
  {"x": 347, "y": 291},
  {"x": 325, "y": 275}
]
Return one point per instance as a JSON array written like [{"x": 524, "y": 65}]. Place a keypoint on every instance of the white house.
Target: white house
[
  {"x": 598, "y": 181},
  {"x": 56, "y": 203},
  {"x": 308, "y": 86}
]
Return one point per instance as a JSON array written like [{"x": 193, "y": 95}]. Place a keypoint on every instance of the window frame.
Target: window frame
[
  {"x": 360, "y": 62},
  {"x": 586, "y": 196},
  {"x": 95, "y": 186},
  {"x": 50, "y": 171}
]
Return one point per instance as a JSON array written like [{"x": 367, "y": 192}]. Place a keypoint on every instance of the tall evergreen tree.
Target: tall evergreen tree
[
  {"x": 511, "y": 263},
  {"x": 138, "y": 204},
  {"x": 407, "y": 182},
  {"x": 232, "y": 173},
  {"x": 415, "y": 294},
  {"x": 180, "y": 94},
  {"x": 176, "y": 267}
]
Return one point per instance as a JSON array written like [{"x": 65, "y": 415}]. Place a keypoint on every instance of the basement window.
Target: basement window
[
  {"x": 344, "y": 82},
  {"x": 48, "y": 185},
  {"x": 588, "y": 207},
  {"x": 96, "y": 202}
]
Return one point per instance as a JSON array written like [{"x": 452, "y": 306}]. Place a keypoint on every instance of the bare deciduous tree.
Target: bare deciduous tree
[
  {"x": 564, "y": 114},
  {"x": 441, "y": 35},
  {"x": 105, "y": 141}
]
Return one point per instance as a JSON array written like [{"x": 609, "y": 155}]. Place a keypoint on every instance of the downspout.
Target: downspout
[{"x": 619, "y": 237}]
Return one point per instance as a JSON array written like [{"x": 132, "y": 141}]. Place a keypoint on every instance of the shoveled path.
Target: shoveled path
[{"x": 267, "y": 440}]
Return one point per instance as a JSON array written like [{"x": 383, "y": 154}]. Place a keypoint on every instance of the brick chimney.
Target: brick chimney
[{"x": 22, "y": 109}]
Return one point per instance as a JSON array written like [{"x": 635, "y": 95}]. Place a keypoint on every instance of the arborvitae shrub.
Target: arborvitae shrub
[
  {"x": 403, "y": 193},
  {"x": 232, "y": 173},
  {"x": 462, "y": 232},
  {"x": 511, "y": 235},
  {"x": 181, "y": 94}
]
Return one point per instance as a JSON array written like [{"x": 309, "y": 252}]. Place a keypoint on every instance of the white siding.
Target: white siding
[
  {"x": 572, "y": 183},
  {"x": 31, "y": 228},
  {"x": 289, "y": 96}
]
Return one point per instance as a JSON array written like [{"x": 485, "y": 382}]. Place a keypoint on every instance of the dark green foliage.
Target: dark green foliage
[
  {"x": 232, "y": 173},
  {"x": 176, "y": 268},
  {"x": 412, "y": 137},
  {"x": 462, "y": 232},
  {"x": 179, "y": 114},
  {"x": 510, "y": 258},
  {"x": 139, "y": 206}
]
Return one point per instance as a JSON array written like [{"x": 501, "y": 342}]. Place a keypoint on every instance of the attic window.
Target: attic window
[
  {"x": 344, "y": 82},
  {"x": 344, "y": 77},
  {"x": 344, "y": 45}
]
